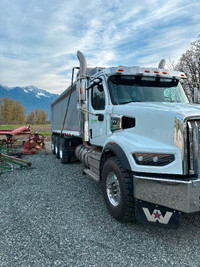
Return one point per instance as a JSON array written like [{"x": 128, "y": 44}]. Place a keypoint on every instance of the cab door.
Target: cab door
[{"x": 97, "y": 118}]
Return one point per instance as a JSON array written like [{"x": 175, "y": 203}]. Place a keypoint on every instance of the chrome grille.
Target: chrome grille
[{"x": 193, "y": 127}]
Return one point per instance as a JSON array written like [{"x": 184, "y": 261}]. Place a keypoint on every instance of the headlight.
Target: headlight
[{"x": 153, "y": 159}]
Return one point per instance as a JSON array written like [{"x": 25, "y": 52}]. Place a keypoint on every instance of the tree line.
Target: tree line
[
  {"x": 13, "y": 112},
  {"x": 189, "y": 63}
]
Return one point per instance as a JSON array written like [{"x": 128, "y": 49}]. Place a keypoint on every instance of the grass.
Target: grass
[
  {"x": 10, "y": 126},
  {"x": 45, "y": 133}
]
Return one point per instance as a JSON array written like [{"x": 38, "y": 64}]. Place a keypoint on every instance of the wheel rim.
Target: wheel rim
[
  {"x": 56, "y": 148},
  {"x": 113, "y": 189},
  {"x": 61, "y": 152},
  {"x": 52, "y": 146}
]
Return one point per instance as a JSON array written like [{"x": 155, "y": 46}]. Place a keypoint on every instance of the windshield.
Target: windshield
[{"x": 125, "y": 89}]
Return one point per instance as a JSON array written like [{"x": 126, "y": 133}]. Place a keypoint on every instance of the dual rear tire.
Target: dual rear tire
[
  {"x": 53, "y": 144},
  {"x": 60, "y": 149},
  {"x": 63, "y": 155}
]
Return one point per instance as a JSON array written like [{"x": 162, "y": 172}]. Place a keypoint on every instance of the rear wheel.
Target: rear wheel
[
  {"x": 53, "y": 144},
  {"x": 57, "y": 147},
  {"x": 118, "y": 190},
  {"x": 64, "y": 157}
]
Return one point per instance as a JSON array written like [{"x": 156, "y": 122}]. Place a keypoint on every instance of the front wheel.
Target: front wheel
[{"x": 118, "y": 190}]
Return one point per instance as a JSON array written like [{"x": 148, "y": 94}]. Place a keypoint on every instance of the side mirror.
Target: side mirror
[
  {"x": 81, "y": 89},
  {"x": 95, "y": 82}
]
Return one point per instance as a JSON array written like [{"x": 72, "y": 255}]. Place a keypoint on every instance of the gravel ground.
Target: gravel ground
[{"x": 52, "y": 215}]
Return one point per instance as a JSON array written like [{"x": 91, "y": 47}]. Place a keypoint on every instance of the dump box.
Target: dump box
[{"x": 64, "y": 113}]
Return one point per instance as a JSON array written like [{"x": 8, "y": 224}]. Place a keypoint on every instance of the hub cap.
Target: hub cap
[{"x": 113, "y": 189}]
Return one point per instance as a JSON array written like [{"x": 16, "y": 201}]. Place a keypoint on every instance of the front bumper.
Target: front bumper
[{"x": 175, "y": 194}]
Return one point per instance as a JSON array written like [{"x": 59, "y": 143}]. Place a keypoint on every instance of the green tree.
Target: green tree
[
  {"x": 18, "y": 112},
  {"x": 38, "y": 116},
  {"x": 7, "y": 109},
  {"x": 31, "y": 118},
  {"x": 42, "y": 116},
  {"x": 12, "y": 111}
]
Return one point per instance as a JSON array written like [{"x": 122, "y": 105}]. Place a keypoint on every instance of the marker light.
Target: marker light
[
  {"x": 121, "y": 70},
  {"x": 147, "y": 71},
  {"x": 155, "y": 71},
  {"x": 164, "y": 72}
]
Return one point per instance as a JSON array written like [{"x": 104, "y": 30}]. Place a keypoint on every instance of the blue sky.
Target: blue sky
[{"x": 39, "y": 38}]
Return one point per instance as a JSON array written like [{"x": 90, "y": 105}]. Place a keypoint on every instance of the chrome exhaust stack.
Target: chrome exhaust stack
[
  {"x": 83, "y": 64},
  {"x": 162, "y": 64},
  {"x": 83, "y": 96}
]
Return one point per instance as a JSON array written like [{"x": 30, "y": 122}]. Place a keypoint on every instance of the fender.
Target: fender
[{"x": 115, "y": 149}]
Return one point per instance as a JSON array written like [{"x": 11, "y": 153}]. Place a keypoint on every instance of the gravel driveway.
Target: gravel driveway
[{"x": 52, "y": 215}]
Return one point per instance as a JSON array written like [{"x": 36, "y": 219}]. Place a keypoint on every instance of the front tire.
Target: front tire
[{"x": 118, "y": 190}]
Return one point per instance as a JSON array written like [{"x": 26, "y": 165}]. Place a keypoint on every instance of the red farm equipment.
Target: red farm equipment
[{"x": 34, "y": 143}]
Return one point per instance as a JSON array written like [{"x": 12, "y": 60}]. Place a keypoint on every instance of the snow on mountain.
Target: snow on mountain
[
  {"x": 5, "y": 87},
  {"x": 30, "y": 96},
  {"x": 38, "y": 92}
]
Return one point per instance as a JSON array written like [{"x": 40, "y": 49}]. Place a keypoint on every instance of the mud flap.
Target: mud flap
[{"x": 156, "y": 215}]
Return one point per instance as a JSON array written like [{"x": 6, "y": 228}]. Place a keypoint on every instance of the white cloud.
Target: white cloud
[{"x": 39, "y": 39}]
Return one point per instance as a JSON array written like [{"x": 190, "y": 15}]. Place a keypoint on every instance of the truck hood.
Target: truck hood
[
  {"x": 156, "y": 120},
  {"x": 184, "y": 110}
]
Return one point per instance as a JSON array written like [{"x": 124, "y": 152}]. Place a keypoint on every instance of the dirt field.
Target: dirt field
[{"x": 42, "y": 129}]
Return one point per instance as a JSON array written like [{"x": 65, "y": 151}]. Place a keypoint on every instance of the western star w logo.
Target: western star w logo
[{"x": 157, "y": 216}]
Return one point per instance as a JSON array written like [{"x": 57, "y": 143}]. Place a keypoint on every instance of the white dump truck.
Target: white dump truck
[{"x": 134, "y": 130}]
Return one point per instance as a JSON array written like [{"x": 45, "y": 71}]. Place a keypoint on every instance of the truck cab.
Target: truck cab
[{"x": 140, "y": 138}]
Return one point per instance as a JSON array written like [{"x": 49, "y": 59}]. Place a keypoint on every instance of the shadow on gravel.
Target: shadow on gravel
[{"x": 52, "y": 215}]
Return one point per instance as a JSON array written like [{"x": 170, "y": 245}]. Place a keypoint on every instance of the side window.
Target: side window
[{"x": 98, "y": 97}]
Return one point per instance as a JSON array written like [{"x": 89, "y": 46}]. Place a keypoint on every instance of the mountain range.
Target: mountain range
[{"x": 31, "y": 97}]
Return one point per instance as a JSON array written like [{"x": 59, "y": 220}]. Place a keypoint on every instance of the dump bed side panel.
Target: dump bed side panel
[{"x": 58, "y": 110}]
